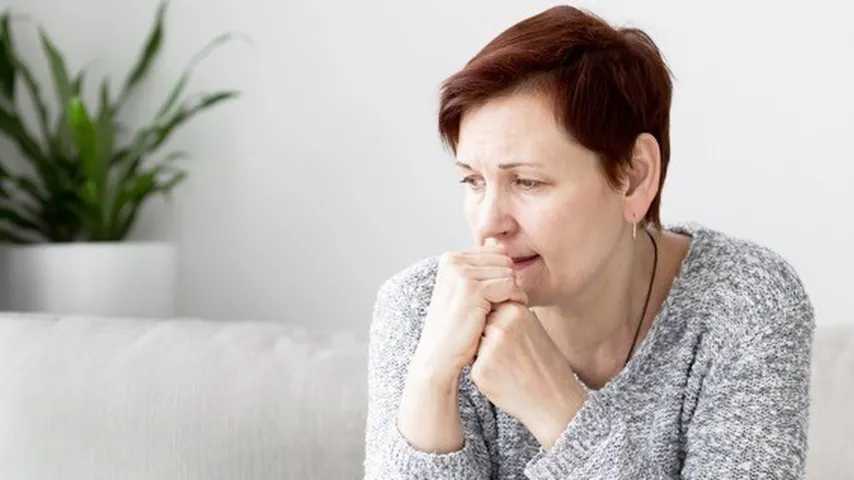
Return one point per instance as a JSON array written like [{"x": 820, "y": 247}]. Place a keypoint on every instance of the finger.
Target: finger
[
  {"x": 497, "y": 290},
  {"x": 487, "y": 272},
  {"x": 490, "y": 244},
  {"x": 518, "y": 294},
  {"x": 486, "y": 249},
  {"x": 474, "y": 258}
]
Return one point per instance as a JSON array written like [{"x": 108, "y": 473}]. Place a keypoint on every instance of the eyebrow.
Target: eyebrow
[{"x": 503, "y": 166}]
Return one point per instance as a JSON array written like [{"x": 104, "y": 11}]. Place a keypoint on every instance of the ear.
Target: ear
[{"x": 642, "y": 176}]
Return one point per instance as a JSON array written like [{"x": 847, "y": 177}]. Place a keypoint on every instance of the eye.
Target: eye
[
  {"x": 469, "y": 180},
  {"x": 526, "y": 184},
  {"x": 532, "y": 184}
]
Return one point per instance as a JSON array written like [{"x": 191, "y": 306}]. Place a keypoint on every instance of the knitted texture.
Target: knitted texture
[{"x": 717, "y": 388}]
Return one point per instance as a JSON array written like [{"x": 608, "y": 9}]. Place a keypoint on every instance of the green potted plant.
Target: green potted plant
[{"x": 62, "y": 227}]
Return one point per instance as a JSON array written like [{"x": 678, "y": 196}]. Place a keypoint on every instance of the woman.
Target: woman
[{"x": 579, "y": 338}]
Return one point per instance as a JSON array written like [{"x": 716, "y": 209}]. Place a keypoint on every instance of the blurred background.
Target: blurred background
[{"x": 326, "y": 176}]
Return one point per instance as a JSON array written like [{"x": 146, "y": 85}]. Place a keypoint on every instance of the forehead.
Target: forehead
[{"x": 514, "y": 128}]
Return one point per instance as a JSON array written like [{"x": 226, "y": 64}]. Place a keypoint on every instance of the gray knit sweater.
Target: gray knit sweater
[{"x": 717, "y": 389}]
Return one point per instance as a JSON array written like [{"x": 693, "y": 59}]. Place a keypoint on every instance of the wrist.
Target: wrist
[
  {"x": 428, "y": 372},
  {"x": 554, "y": 418}
]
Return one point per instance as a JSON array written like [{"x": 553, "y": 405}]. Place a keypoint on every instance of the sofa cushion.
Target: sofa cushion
[{"x": 98, "y": 397}]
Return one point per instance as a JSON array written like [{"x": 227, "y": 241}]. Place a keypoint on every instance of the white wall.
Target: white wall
[{"x": 327, "y": 175}]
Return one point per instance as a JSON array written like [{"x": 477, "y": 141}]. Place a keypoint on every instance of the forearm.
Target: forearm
[{"x": 429, "y": 415}]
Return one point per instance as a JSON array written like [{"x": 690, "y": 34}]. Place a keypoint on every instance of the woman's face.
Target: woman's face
[{"x": 558, "y": 206}]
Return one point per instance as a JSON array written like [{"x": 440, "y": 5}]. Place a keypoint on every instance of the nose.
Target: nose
[{"x": 494, "y": 220}]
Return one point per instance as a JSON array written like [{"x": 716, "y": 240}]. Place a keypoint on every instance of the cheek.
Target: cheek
[
  {"x": 470, "y": 213},
  {"x": 550, "y": 231},
  {"x": 558, "y": 232}
]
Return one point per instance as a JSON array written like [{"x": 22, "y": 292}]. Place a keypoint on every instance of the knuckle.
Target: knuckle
[
  {"x": 446, "y": 258},
  {"x": 518, "y": 310},
  {"x": 495, "y": 330}
]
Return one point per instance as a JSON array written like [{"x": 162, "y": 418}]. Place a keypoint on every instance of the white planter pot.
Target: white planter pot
[{"x": 100, "y": 278}]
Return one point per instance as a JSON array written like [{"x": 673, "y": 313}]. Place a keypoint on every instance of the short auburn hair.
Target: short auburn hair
[{"x": 607, "y": 86}]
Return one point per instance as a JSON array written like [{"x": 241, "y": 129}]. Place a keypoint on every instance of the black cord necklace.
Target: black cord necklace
[{"x": 652, "y": 280}]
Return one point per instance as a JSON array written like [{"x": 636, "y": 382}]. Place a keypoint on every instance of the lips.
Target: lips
[{"x": 523, "y": 259}]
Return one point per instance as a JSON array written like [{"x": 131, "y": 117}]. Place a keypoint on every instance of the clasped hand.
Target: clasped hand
[{"x": 520, "y": 370}]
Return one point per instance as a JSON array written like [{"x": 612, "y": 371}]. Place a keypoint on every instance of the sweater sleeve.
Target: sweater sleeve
[
  {"x": 394, "y": 336},
  {"x": 752, "y": 416},
  {"x": 596, "y": 444},
  {"x": 750, "y": 420}
]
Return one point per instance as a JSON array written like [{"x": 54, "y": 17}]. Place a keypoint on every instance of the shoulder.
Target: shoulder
[
  {"x": 752, "y": 271},
  {"x": 748, "y": 286},
  {"x": 404, "y": 296},
  {"x": 413, "y": 283}
]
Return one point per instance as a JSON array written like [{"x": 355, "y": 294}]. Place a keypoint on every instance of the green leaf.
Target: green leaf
[
  {"x": 175, "y": 156},
  {"x": 104, "y": 107},
  {"x": 71, "y": 214},
  {"x": 9, "y": 236},
  {"x": 77, "y": 84},
  {"x": 151, "y": 138},
  {"x": 105, "y": 138},
  {"x": 7, "y": 63},
  {"x": 4, "y": 176},
  {"x": 127, "y": 222},
  {"x": 57, "y": 69},
  {"x": 186, "y": 112},
  {"x": 185, "y": 76},
  {"x": 149, "y": 53},
  {"x": 142, "y": 185},
  {"x": 170, "y": 183},
  {"x": 174, "y": 94},
  {"x": 129, "y": 200},
  {"x": 34, "y": 212},
  {"x": 132, "y": 155},
  {"x": 83, "y": 188},
  {"x": 85, "y": 137},
  {"x": 29, "y": 81},
  {"x": 145, "y": 185},
  {"x": 62, "y": 135},
  {"x": 148, "y": 139},
  {"x": 131, "y": 189},
  {"x": 10, "y": 215},
  {"x": 28, "y": 186},
  {"x": 12, "y": 126}
]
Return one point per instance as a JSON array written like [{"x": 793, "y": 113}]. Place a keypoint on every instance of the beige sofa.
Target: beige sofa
[{"x": 106, "y": 398}]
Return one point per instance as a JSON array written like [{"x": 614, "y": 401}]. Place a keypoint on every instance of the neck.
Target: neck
[{"x": 594, "y": 328}]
